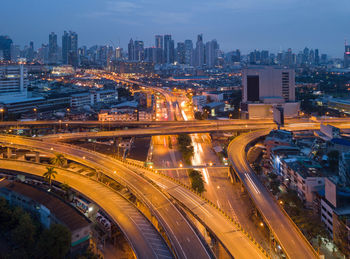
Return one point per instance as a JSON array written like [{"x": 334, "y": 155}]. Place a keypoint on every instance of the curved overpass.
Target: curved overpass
[
  {"x": 235, "y": 241},
  {"x": 142, "y": 236},
  {"x": 292, "y": 241},
  {"x": 183, "y": 238}
]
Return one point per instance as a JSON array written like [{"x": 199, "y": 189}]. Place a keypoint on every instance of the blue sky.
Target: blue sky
[{"x": 243, "y": 24}]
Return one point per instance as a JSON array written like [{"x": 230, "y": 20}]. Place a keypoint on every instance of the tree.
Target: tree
[
  {"x": 185, "y": 147},
  {"x": 5, "y": 214},
  {"x": 197, "y": 182},
  {"x": 54, "y": 242},
  {"x": 58, "y": 160},
  {"x": 49, "y": 174},
  {"x": 24, "y": 233}
]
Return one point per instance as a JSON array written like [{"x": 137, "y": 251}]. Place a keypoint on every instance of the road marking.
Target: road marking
[
  {"x": 252, "y": 183},
  {"x": 195, "y": 202}
]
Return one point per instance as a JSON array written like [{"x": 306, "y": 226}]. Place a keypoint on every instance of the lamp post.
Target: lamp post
[
  {"x": 35, "y": 110},
  {"x": 2, "y": 113}
]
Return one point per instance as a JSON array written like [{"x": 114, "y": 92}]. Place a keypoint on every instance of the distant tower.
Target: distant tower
[
  {"x": 347, "y": 55},
  {"x": 131, "y": 50},
  {"x": 53, "y": 48}
]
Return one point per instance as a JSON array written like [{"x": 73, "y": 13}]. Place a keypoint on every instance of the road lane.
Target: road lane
[
  {"x": 290, "y": 239},
  {"x": 142, "y": 236}
]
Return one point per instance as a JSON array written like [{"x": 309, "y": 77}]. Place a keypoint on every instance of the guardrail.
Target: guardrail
[
  {"x": 236, "y": 224},
  {"x": 275, "y": 200}
]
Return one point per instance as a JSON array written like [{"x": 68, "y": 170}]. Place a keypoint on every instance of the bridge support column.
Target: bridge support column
[
  {"x": 9, "y": 153},
  {"x": 37, "y": 157}
]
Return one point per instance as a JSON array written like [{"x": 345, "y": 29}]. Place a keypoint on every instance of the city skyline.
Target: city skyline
[{"x": 233, "y": 24}]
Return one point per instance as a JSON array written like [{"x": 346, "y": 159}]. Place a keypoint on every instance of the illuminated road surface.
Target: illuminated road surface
[
  {"x": 142, "y": 236},
  {"x": 292, "y": 241}
]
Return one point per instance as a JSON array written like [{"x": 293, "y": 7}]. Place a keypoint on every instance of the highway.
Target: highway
[
  {"x": 235, "y": 241},
  {"x": 183, "y": 237},
  {"x": 142, "y": 236},
  {"x": 286, "y": 233}
]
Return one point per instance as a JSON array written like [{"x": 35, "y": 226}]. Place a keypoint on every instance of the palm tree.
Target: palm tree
[
  {"x": 49, "y": 174},
  {"x": 58, "y": 160}
]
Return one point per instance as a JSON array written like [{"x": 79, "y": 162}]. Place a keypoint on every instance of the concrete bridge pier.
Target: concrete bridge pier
[{"x": 9, "y": 152}]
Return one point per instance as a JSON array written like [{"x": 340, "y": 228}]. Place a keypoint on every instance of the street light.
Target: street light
[{"x": 2, "y": 114}]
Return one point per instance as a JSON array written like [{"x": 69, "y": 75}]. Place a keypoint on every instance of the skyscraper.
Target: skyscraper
[
  {"x": 139, "y": 50},
  {"x": 317, "y": 57},
  {"x": 211, "y": 53},
  {"x": 131, "y": 50},
  {"x": 180, "y": 52},
  {"x": 188, "y": 52},
  {"x": 159, "y": 49},
  {"x": 5, "y": 47},
  {"x": 199, "y": 52},
  {"x": 53, "y": 48},
  {"x": 159, "y": 41},
  {"x": 347, "y": 56},
  {"x": 169, "y": 50},
  {"x": 70, "y": 48}
]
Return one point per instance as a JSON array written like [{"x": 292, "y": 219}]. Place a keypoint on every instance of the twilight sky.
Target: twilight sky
[{"x": 243, "y": 24}]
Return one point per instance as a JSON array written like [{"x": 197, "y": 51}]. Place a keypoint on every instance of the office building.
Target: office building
[
  {"x": 159, "y": 41},
  {"x": 199, "y": 52},
  {"x": 70, "y": 48},
  {"x": 211, "y": 53},
  {"x": 180, "y": 52},
  {"x": 53, "y": 48},
  {"x": 15, "y": 53},
  {"x": 265, "y": 87},
  {"x": 139, "y": 50},
  {"x": 13, "y": 83},
  {"x": 347, "y": 56},
  {"x": 188, "y": 52},
  {"x": 169, "y": 49},
  {"x": 5, "y": 47},
  {"x": 131, "y": 50},
  {"x": 118, "y": 53}
]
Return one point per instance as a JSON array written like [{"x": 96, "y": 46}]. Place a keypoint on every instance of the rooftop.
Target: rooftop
[{"x": 62, "y": 211}]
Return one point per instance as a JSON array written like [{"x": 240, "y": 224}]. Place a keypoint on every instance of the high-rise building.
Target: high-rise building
[
  {"x": 159, "y": 41},
  {"x": 151, "y": 54},
  {"x": 131, "y": 50},
  {"x": 347, "y": 56},
  {"x": 169, "y": 49},
  {"x": 53, "y": 48},
  {"x": 317, "y": 57},
  {"x": 139, "y": 50},
  {"x": 180, "y": 52},
  {"x": 5, "y": 47},
  {"x": 188, "y": 52},
  {"x": 15, "y": 53},
  {"x": 268, "y": 87},
  {"x": 118, "y": 53},
  {"x": 13, "y": 83},
  {"x": 70, "y": 48},
  {"x": 211, "y": 53},
  {"x": 264, "y": 82},
  {"x": 30, "y": 53},
  {"x": 199, "y": 51}
]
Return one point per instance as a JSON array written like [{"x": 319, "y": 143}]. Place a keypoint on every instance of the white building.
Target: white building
[
  {"x": 91, "y": 98},
  {"x": 13, "y": 83},
  {"x": 265, "y": 87}
]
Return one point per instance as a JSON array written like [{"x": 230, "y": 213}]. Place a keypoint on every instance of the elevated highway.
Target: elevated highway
[
  {"x": 182, "y": 236},
  {"x": 143, "y": 237},
  {"x": 292, "y": 241}
]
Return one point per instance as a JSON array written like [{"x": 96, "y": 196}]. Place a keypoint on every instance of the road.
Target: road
[
  {"x": 142, "y": 236},
  {"x": 173, "y": 130},
  {"x": 180, "y": 232},
  {"x": 291, "y": 240},
  {"x": 236, "y": 242}
]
